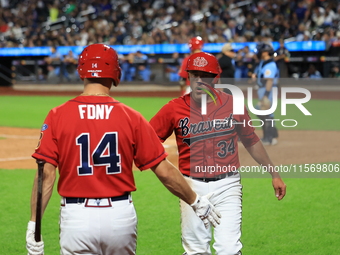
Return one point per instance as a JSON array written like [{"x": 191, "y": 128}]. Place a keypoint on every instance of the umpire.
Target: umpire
[
  {"x": 266, "y": 74},
  {"x": 227, "y": 64}
]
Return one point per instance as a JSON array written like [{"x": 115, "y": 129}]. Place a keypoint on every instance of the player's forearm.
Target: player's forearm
[
  {"x": 174, "y": 181},
  {"x": 269, "y": 84},
  {"x": 260, "y": 155},
  {"x": 48, "y": 183}
]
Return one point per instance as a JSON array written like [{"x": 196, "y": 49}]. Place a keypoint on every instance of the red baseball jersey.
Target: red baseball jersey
[
  {"x": 94, "y": 141},
  {"x": 205, "y": 142},
  {"x": 182, "y": 71}
]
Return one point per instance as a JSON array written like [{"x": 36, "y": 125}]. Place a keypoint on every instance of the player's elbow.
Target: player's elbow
[{"x": 163, "y": 170}]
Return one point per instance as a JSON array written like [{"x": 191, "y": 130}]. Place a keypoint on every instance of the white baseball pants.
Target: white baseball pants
[
  {"x": 227, "y": 199},
  {"x": 98, "y": 227}
]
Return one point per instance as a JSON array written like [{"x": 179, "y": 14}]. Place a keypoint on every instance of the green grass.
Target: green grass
[
  {"x": 148, "y": 106},
  {"x": 19, "y": 111},
  {"x": 16, "y": 186},
  {"x": 30, "y": 111},
  {"x": 305, "y": 222},
  {"x": 26, "y": 111},
  {"x": 322, "y": 117}
]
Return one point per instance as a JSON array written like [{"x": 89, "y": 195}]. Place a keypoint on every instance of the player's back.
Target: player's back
[{"x": 96, "y": 138}]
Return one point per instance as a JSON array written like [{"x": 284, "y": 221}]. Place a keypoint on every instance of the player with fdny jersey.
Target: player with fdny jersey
[
  {"x": 94, "y": 139},
  {"x": 208, "y": 155}
]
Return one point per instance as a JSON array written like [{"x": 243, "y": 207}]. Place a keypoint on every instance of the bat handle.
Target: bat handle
[{"x": 37, "y": 234}]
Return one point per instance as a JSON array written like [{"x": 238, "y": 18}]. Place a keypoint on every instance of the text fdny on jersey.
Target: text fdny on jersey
[{"x": 95, "y": 112}]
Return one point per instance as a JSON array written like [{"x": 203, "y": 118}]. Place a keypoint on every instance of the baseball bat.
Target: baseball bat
[{"x": 37, "y": 234}]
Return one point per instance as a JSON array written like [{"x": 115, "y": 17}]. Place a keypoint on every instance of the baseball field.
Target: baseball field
[{"x": 306, "y": 221}]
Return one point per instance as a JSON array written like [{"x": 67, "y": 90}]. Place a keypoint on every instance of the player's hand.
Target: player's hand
[
  {"x": 279, "y": 187},
  {"x": 264, "y": 103},
  {"x": 206, "y": 211},
  {"x": 253, "y": 77},
  {"x": 33, "y": 247}
]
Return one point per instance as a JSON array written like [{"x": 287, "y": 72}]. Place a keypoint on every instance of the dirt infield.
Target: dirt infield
[{"x": 295, "y": 147}]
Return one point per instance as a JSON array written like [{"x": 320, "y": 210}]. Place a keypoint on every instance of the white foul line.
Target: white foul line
[
  {"x": 19, "y": 136},
  {"x": 13, "y": 159}
]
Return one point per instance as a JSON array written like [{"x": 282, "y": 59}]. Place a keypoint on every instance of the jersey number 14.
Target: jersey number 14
[{"x": 105, "y": 154}]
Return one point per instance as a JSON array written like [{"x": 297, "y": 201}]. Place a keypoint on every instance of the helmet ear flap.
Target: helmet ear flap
[
  {"x": 216, "y": 79},
  {"x": 119, "y": 75},
  {"x": 218, "y": 76}
]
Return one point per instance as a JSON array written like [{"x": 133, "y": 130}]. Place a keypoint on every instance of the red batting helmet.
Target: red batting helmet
[
  {"x": 99, "y": 61},
  {"x": 196, "y": 43},
  {"x": 205, "y": 62}
]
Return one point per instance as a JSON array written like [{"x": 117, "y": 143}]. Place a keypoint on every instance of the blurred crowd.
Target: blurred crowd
[
  {"x": 130, "y": 22},
  {"x": 56, "y": 23},
  {"x": 239, "y": 65},
  {"x": 236, "y": 65}
]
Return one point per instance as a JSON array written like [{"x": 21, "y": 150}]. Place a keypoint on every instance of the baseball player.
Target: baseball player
[
  {"x": 94, "y": 139},
  {"x": 195, "y": 45},
  {"x": 266, "y": 75},
  {"x": 208, "y": 155}
]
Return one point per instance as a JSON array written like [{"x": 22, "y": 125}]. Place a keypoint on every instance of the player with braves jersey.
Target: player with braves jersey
[
  {"x": 208, "y": 155},
  {"x": 195, "y": 45},
  {"x": 94, "y": 139},
  {"x": 266, "y": 74}
]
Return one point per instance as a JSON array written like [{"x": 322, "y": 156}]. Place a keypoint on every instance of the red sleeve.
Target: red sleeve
[
  {"x": 163, "y": 122},
  {"x": 47, "y": 148},
  {"x": 148, "y": 150},
  {"x": 246, "y": 132},
  {"x": 182, "y": 71}
]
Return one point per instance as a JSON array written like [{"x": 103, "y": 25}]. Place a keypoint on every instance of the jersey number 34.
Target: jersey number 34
[{"x": 105, "y": 154}]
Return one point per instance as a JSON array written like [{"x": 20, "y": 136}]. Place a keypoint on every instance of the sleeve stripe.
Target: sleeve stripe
[
  {"x": 48, "y": 159},
  {"x": 164, "y": 154}
]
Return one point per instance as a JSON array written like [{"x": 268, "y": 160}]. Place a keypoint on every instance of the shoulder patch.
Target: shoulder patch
[
  {"x": 44, "y": 127},
  {"x": 267, "y": 72}
]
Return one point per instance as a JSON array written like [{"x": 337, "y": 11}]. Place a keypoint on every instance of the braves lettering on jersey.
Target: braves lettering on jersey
[
  {"x": 217, "y": 132},
  {"x": 96, "y": 145}
]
